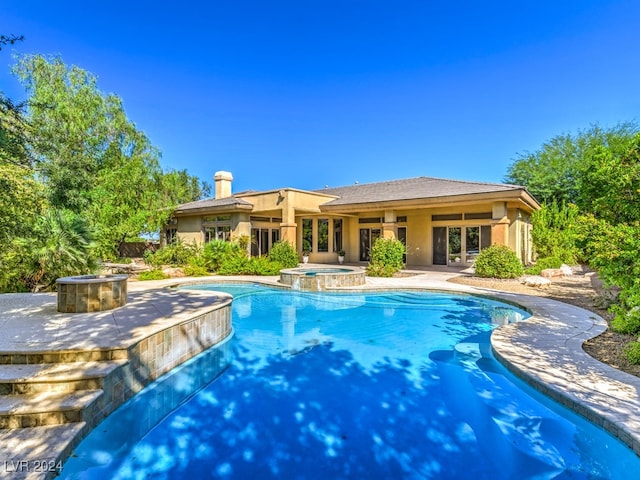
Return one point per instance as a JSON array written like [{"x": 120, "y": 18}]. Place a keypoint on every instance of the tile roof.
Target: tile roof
[{"x": 411, "y": 189}]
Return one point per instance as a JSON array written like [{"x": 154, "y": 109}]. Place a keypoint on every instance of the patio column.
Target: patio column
[
  {"x": 500, "y": 224},
  {"x": 288, "y": 227},
  {"x": 389, "y": 226}
]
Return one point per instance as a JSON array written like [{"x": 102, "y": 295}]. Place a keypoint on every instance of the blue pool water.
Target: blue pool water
[
  {"x": 328, "y": 386},
  {"x": 316, "y": 271}
]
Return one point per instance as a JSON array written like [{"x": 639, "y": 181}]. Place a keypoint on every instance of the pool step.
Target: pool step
[
  {"x": 51, "y": 408},
  {"x": 33, "y": 395},
  {"x": 32, "y": 453},
  {"x": 69, "y": 356},
  {"x": 55, "y": 377}
]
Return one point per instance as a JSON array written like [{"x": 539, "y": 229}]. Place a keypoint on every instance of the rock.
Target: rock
[
  {"x": 566, "y": 269},
  {"x": 563, "y": 271},
  {"x": 173, "y": 272},
  {"x": 536, "y": 281},
  {"x": 552, "y": 272}
]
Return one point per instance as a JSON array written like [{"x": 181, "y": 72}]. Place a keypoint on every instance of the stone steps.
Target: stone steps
[
  {"x": 44, "y": 394},
  {"x": 63, "y": 356},
  {"x": 51, "y": 408},
  {"x": 55, "y": 377}
]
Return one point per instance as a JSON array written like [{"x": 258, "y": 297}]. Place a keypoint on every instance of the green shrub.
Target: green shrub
[
  {"x": 195, "y": 271},
  {"x": 614, "y": 254},
  {"x": 264, "y": 266},
  {"x": 498, "y": 261},
  {"x": 626, "y": 320},
  {"x": 543, "y": 264},
  {"x": 285, "y": 254},
  {"x": 152, "y": 275},
  {"x": 386, "y": 257},
  {"x": 217, "y": 253},
  {"x": 176, "y": 254},
  {"x": 632, "y": 352},
  {"x": 379, "y": 270},
  {"x": 235, "y": 265}
]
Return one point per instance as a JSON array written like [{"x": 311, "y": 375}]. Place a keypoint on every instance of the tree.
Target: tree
[
  {"x": 552, "y": 172},
  {"x": 554, "y": 232},
  {"x": 609, "y": 181},
  {"x": 10, "y": 39},
  {"x": 21, "y": 198},
  {"x": 92, "y": 158},
  {"x": 12, "y": 124},
  {"x": 72, "y": 127}
]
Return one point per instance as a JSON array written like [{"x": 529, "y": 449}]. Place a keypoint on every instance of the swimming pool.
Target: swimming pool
[{"x": 379, "y": 385}]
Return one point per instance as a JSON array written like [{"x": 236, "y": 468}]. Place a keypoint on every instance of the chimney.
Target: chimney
[{"x": 223, "y": 184}]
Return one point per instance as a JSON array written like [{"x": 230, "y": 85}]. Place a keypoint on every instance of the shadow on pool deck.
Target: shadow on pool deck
[{"x": 545, "y": 350}]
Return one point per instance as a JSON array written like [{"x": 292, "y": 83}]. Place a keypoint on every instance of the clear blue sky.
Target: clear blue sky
[{"x": 310, "y": 93}]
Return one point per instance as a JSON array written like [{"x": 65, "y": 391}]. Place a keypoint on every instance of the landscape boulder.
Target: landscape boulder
[{"x": 535, "y": 281}]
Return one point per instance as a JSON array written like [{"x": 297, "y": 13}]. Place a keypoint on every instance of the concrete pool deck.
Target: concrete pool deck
[{"x": 545, "y": 350}]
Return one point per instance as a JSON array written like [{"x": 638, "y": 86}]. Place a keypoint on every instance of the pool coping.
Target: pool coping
[{"x": 545, "y": 350}]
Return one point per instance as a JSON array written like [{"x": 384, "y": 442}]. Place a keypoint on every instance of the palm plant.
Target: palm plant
[{"x": 62, "y": 247}]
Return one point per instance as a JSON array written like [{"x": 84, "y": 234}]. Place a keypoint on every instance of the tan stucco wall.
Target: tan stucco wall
[
  {"x": 190, "y": 229},
  {"x": 292, "y": 205}
]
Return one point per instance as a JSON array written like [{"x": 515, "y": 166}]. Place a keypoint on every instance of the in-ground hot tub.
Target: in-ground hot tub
[
  {"x": 91, "y": 293},
  {"x": 321, "y": 278}
]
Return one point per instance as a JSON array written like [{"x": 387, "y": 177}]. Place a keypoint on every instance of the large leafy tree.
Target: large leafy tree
[
  {"x": 553, "y": 172},
  {"x": 13, "y": 127},
  {"x": 92, "y": 158},
  {"x": 609, "y": 181},
  {"x": 73, "y": 126}
]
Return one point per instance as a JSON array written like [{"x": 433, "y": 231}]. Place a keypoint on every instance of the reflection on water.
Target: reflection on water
[{"x": 390, "y": 385}]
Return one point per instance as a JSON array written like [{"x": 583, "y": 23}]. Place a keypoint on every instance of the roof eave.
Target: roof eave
[
  {"x": 215, "y": 209},
  {"x": 507, "y": 195}
]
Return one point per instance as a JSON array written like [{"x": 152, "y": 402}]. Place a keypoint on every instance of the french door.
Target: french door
[
  {"x": 368, "y": 236},
  {"x": 459, "y": 245}
]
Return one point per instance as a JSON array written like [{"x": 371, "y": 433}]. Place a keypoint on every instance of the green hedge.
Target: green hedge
[{"x": 498, "y": 261}]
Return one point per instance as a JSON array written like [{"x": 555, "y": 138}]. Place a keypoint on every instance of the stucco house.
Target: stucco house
[{"x": 441, "y": 222}]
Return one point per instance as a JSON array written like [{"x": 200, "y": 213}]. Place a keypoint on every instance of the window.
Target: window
[
  {"x": 260, "y": 238},
  {"x": 449, "y": 216},
  {"x": 337, "y": 235},
  {"x": 307, "y": 234},
  {"x": 472, "y": 240},
  {"x": 369, "y": 220},
  {"x": 216, "y": 228},
  {"x": 478, "y": 216},
  {"x": 216, "y": 219},
  {"x": 323, "y": 234},
  {"x": 221, "y": 232},
  {"x": 402, "y": 219},
  {"x": 455, "y": 245},
  {"x": 368, "y": 237}
]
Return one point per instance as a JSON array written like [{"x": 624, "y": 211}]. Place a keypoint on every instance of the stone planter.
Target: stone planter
[{"x": 91, "y": 293}]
